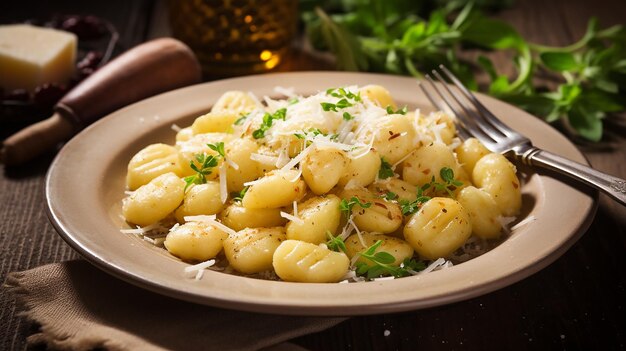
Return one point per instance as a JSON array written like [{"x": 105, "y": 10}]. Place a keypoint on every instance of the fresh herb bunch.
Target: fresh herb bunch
[
  {"x": 410, "y": 37},
  {"x": 385, "y": 171},
  {"x": 335, "y": 243},
  {"x": 346, "y": 205},
  {"x": 448, "y": 186},
  {"x": 205, "y": 166},
  {"x": 381, "y": 264},
  {"x": 268, "y": 120}
]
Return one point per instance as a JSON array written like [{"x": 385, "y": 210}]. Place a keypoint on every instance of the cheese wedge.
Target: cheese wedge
[{"x": 31, "y": 56}]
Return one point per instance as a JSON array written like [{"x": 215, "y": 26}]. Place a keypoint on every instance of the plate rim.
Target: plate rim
[{"x": 358, "y": 309}]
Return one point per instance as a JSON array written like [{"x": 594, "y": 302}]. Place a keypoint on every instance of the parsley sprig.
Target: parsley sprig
[
  {"x": 346, "y": 205},
  {"x": 238, "y": 196},
  {"x": 335, "y": 243},
  {"x": 448, "y": 186},
  {"x": 400, "y": 111},
  {"x": 341, "y": 104},
  {"x": 385, "y": 170},
  {"x": 381, "y": 264},
  {"x": 343, "y": 93},
  {"x": 268, "y": 120},
  {"x": 205, "y": 166},
  {"x": 581, "y": 84}
]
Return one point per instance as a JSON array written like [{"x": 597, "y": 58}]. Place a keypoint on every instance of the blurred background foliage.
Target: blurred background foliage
[{"x": 407, "y": 37}]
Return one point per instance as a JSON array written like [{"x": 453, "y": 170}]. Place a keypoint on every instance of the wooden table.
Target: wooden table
[{"x": 575, "y": 303}]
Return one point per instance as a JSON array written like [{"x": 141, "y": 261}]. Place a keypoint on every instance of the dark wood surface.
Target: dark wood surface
[{"x": 575, "y": 303}]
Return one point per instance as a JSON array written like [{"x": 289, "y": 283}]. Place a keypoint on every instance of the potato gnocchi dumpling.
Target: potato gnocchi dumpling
[
  {"x": 276, "y": 189},
  {"x": 361, "y": 170},
  {"x": 398, "y": 248},
  {"x": 154, "y": 201},
  {"x": 494, "y": 174},
  {"x": 322, "y": 169},
  {"x": 469, "y": 153},
  {"x": 299, "y": 261},
  {"x": 381, "y": 216},
  {"x": 238, "y": 217},
  {"x": 394, "y": 137},
  {"x": 251, "y": 250},
  {"x": 439, "y": 228},
  {"x": 483, "y": 211},
  {"x": 426, "y": 162},
  {"x": 195, "y": 241},
  {"x": 235, "y": 101},
  {"x": 200, "y": 199},
  {"x": 302, "y": 189},
  {"x": 149, "y": 163},
  {"x": 318, "y": 216},
  {"x": 214, "y": 122}
]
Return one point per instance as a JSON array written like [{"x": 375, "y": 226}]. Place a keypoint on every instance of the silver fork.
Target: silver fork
[{"x": 475, "y": 120}]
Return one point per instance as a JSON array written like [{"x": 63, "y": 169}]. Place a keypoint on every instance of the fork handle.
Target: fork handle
[{"x": 613, "y": 186}]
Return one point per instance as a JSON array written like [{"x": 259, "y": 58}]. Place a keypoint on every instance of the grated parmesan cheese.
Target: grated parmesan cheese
[{"x": 291, "y": 217}]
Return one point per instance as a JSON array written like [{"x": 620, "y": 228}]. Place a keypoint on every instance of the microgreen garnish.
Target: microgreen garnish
[
  {"x": 447, "y": 175},
  {"x": 390, "y": 196},
  {"x": 293, "y": 101},
  {"x": 206, "y": 164},
  {"x": 449, "y": 185},
  {"x": 335, "y": 243},
  {"x": 241, "y": 119},
  {"x": 217, "y": 147},
  {"x": 238, "y": 196},
  {"x": 268, "y": 120},
  {"x": 385, "y": 170},
  {"x": 343, "y": 103},
  {"x": 400, "y": 111},
  {"x": 341, "y": 93},
  {"x": 347, "y": 116},
  {"x": 311, "y": 131},
  {"x": 346, "y": 205},
  {"x": 382, "y": 264}
]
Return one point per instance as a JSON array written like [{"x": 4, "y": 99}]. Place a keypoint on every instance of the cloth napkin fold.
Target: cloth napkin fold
[{"x": 80, "y": 307}]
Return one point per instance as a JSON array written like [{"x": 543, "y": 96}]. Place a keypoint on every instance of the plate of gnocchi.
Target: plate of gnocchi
[{"x": 310, "y": 193}]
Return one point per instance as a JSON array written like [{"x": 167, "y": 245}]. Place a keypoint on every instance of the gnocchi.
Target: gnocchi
[
  {"x": 340, "y": 185},
  {"x": 299, "y": 261},
  {"x": 195, "y": 241}
]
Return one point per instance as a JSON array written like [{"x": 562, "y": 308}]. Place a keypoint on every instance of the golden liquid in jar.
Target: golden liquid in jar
[{"x": 235, "y": 37}]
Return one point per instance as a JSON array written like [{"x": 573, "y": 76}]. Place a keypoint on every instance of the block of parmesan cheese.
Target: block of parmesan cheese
[{"x": 31, "y": 56}]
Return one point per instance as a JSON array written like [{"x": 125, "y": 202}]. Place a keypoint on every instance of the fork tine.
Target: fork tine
[
  {"x": 463, "y": 133},
  {"x": 506, "y": 130},
  {"x": 468, "y": 124},
  {"x": 475, "y": 115}
]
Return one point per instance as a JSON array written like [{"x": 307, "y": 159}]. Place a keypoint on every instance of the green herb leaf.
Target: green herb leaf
[
  {"x": 346, "y": 206},
  {"x": 238, "y": 196},
  {"x": 401, "y": 111},
  {"x": 385, "y": 170},
  {"x": 381, "y": 264},
  {"x": 241, "y": 119},
  {"x": 218, "y": 147},
  {"x": 335, "y": 243},
  {"x": 389, "y": 196},
  {"x": 559, "y": 61}
]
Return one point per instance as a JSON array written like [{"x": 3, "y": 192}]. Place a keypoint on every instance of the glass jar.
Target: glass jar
[{"x": 235, "y": 37}]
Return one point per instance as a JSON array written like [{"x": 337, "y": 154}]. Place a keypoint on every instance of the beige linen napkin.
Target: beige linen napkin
[{"x": 81, "y": 308}]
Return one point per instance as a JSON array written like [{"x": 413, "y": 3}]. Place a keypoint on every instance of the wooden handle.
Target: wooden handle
[
  {"x": 36, "y": 139},
  {"x": 146, "y": 70}
]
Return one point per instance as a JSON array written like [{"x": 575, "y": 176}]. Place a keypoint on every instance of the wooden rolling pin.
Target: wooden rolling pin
[{"x": 145, "y": 70}]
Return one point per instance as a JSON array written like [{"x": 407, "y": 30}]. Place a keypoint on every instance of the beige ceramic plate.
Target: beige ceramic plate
[{"x": 85, "y": 185}]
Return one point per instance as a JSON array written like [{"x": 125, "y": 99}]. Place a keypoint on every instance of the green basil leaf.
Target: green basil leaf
[
  {"x": 493, "y": 34},
  {"x": 586, "y": 122},
  {"x": 559, "y": 61}
]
